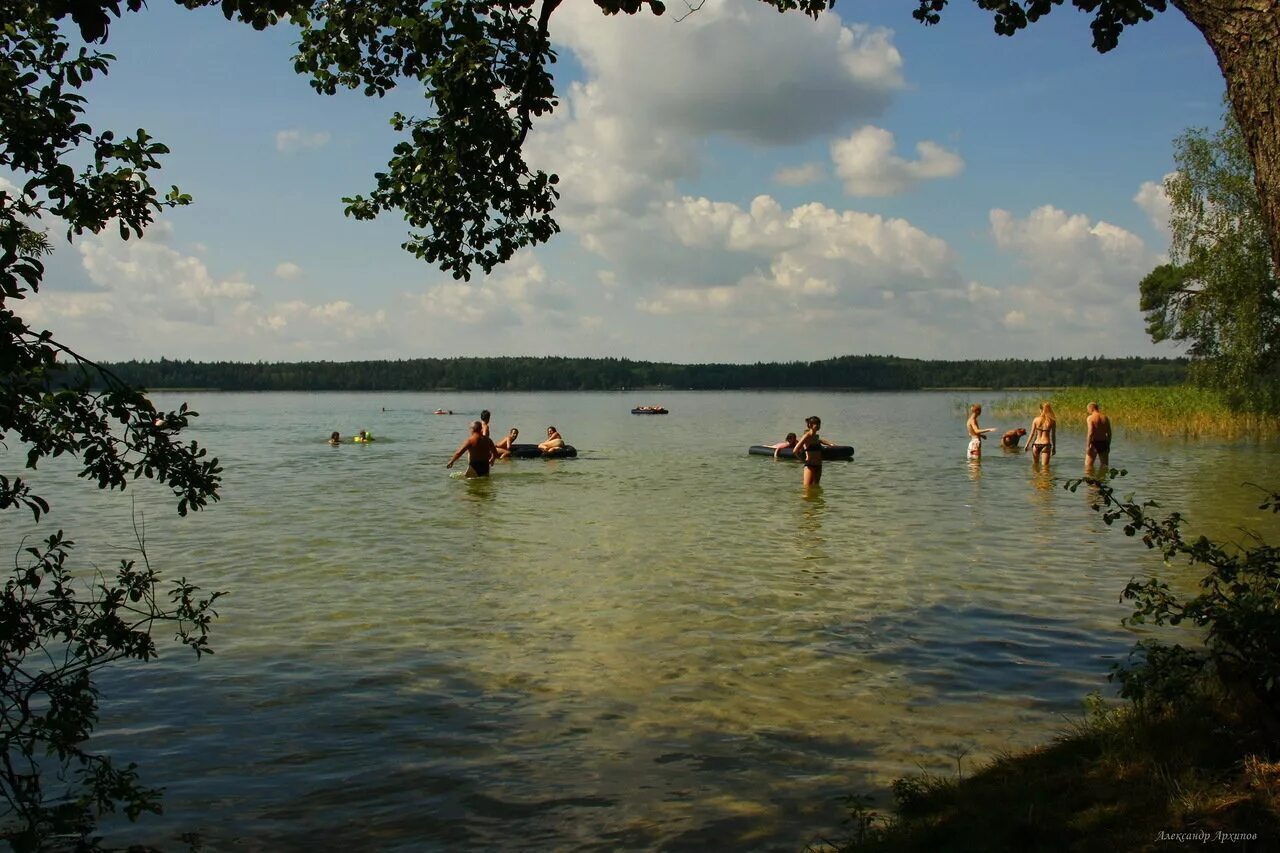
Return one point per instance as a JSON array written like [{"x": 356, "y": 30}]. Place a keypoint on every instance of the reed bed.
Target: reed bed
[{"x": 1167, "y": 411}]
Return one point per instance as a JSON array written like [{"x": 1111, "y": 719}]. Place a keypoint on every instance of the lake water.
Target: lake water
[{"x": 662, "y": 644}]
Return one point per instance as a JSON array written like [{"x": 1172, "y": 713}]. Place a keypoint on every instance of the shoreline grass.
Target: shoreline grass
[
  {"x": 1174, "y": 411},
  {"x": 1203, "y": 773}
]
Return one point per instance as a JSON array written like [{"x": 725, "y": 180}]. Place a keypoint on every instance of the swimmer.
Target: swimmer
[
  {"x": 1097, "y": 439},
  {"x": 1043, "y": 441},
  {"x": 554, "y": 441},
  {"x": 480, "y": 452},
  {"x": 786, "y": 444},
  {"x": 977, "y": 434},
  {"x": 1011, "y": 438},
  {"x": 808, "y": 448},
  {"x": 504, "y": 444}
]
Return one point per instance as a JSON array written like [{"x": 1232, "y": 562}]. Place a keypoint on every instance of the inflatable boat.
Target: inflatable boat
[
  {"x": 531, "y": 451},
  {"x": 835, "y": 451}
]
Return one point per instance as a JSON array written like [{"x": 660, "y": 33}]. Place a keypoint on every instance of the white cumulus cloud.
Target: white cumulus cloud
[
  {"x": 292, "y": 141},
  {"x": 800, "y": 176},
  {"x": 1081, "y": 288},
  {"x": 288, "y": 270},
  {"x": 868, "y": 166},
  {"x": 154, "y": 300},
  {"x": 1153, "y": 200}
]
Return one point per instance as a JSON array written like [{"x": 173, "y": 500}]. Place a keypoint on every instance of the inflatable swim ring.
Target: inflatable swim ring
[
  {"x": 837, "y": 452},
  {"x": 531, "y": 451}
]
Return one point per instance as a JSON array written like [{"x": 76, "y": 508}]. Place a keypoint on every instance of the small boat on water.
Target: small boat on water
[
  {"x": 835, "y": 451},
  {"x": 650, "y": 410}
]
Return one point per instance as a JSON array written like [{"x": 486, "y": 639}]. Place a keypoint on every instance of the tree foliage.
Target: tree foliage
[
  {"x": 1219, "y": 292},
  {"x": 1242, "y": 36},
  {"x": 881, "y": 373},
  {"x": 1110, "y": 17},
  {"x": 57, "y": 629},
  {"x": 1237, "y": 604},
  {"x": 459, "y": 178}
]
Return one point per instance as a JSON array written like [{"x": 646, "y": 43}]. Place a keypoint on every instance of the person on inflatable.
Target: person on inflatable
[
  {"x": 554, "y": 441},
  {"x": 504, "y": 445},
  {"x": 786, "y": 444}
]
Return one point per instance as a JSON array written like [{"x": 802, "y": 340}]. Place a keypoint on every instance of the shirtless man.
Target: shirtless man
[
  {"x": 480, "y": 452},
  {"x": 977, "y": 434},
  {"x": 504, "y": 444},
  {"x": 1097, "y": 439}
]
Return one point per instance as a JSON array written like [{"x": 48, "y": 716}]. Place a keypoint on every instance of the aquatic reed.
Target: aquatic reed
[{"x": 1170, "y": 411}]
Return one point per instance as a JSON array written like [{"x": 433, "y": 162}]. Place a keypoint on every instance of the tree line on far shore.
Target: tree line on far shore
[{"x": 868, "y": 372}]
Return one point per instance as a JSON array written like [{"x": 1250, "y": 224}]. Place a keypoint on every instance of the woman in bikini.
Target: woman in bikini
[
  {"x": 1043, "y": 437},
  {"x": 809, "y": 449}
]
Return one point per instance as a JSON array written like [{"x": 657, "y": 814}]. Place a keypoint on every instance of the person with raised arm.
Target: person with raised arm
[{"x": 480, "y": 452}]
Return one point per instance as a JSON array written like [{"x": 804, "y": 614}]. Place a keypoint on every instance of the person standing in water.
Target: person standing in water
[
  {"x": 1097, "y": 438},
  {"x": 484, "y": 422},
  {"x": 1042, "y": 441},
  {"x": 977, "y": 434},
  {"x": 808, "y": 449},
  {"x": 480, "y": 452}
]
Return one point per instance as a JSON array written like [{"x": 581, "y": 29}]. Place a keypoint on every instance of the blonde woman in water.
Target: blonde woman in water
[{"x": 1042, "y": 439}]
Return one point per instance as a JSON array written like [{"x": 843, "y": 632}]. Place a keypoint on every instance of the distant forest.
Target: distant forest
[{"x": 868, "y": 372}]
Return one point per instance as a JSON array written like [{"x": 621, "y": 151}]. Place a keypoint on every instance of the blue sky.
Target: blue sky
[{"x": 738, "y": 186}]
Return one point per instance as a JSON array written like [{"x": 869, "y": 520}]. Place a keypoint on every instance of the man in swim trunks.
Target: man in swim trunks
[
  {"x": 480, "y": 452},
  {"x": 1097, "y": 439}
]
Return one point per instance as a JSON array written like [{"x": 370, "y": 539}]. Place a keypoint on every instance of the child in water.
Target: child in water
[{"x": 786, "y": 444}]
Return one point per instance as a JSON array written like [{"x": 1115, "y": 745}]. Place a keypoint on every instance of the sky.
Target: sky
[{"x": 739, "y": 185}]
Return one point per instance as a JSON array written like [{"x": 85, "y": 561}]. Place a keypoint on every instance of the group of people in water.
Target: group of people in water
[
  {"x": 807, "y": 448},
  {"x": 362, "y": 437},
  {"x": 1042, "y": 440},
  {"x": 482, "y": 451}
]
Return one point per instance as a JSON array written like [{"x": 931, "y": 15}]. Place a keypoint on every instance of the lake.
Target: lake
[{"x": 662, "y": 644}]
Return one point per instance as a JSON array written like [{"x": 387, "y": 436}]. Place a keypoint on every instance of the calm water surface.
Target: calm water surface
[{"x": 663, "y": 644}]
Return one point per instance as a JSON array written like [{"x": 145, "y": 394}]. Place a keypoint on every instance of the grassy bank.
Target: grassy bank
[
  {"x": 1171, "y": 411},
  {"x": 1200, "y": 775}
]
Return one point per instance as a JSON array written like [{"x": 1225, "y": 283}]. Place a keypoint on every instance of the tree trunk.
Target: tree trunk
[{"x": 1245, "y": 37}]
